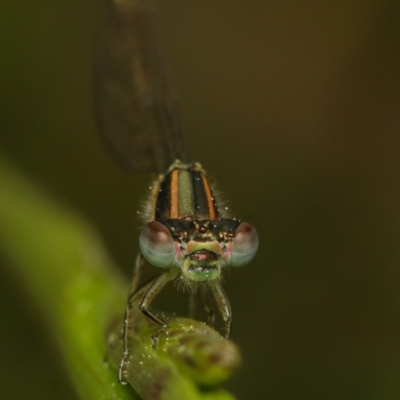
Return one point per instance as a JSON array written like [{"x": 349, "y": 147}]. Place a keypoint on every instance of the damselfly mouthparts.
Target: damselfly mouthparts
[{"x": 185, "y": 234}]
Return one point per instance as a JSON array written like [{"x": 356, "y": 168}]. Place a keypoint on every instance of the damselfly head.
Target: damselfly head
[{"x": 199, "y": 248}]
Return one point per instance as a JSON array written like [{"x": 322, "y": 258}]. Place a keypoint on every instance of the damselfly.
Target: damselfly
[{"x": 186, "y": 234}]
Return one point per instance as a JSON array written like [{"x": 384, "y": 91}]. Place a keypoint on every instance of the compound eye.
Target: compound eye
[
  {"x": 157, "y": 245},
  {"x": 244, "y": 245}
]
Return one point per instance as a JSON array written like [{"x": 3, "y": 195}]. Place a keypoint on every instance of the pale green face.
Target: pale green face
[
  {"x": 202, "y": 260},
  {"x": 199, "y": 260}
]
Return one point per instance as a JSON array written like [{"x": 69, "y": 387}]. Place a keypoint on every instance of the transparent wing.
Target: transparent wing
[{"x": 135, "y": 105}]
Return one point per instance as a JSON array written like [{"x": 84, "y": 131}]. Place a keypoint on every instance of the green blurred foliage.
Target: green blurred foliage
[{"x": 293, "y": 108}]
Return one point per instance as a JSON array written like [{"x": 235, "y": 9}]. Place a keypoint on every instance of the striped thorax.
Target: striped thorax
[{"x": 187, "y": 231}]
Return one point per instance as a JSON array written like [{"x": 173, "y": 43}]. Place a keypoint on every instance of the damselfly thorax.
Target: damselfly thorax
[{"x": 186, "y": 229}]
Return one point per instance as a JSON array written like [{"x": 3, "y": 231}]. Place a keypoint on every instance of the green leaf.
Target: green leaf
[{"x": 79, "y": 292}]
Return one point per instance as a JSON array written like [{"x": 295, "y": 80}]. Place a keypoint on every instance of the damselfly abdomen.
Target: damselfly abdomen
[{"x": 185, "y": 232}]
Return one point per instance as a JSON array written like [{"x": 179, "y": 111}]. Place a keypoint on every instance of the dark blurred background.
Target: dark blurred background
[{"x": 294, "y": 109}]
